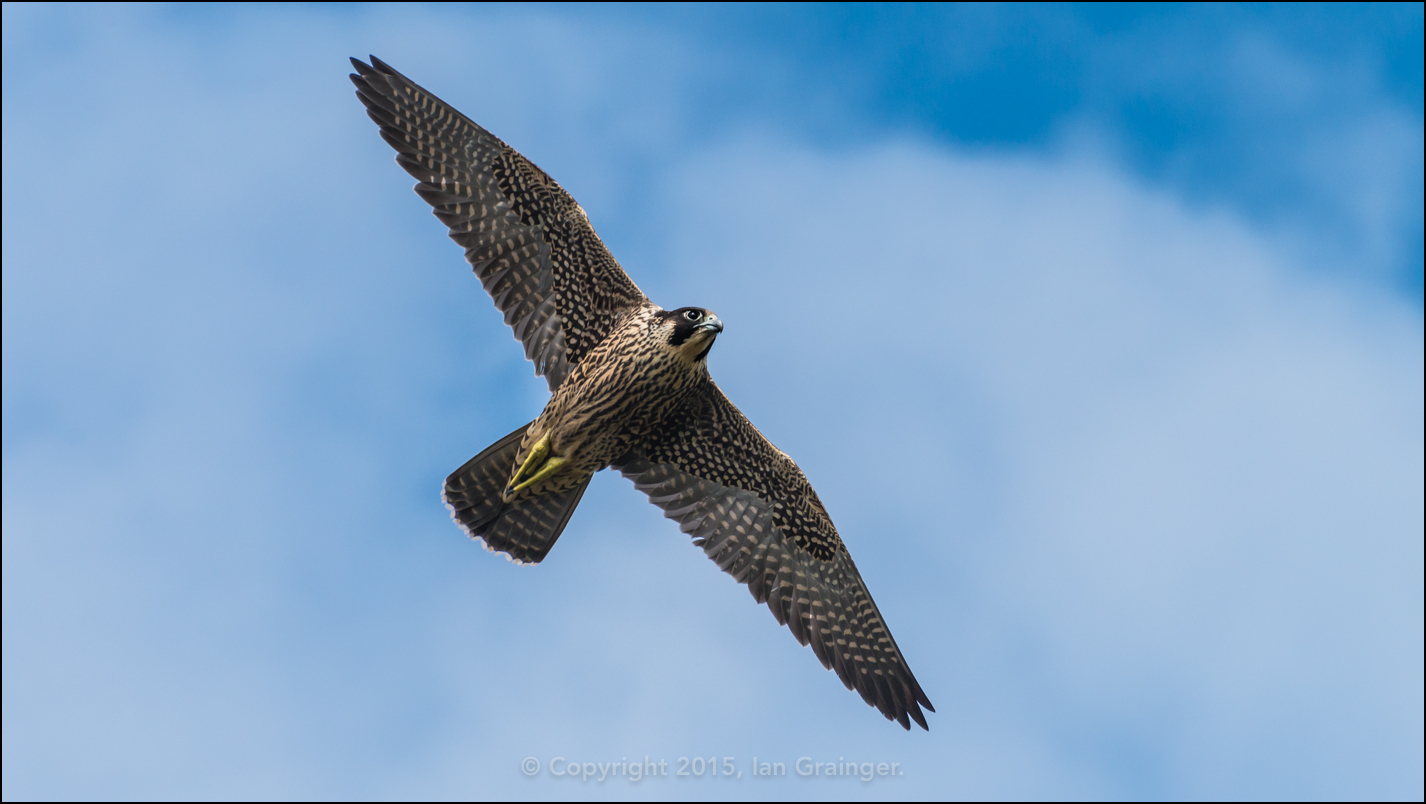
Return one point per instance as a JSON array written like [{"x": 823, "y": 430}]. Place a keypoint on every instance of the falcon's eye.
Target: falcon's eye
[{"x": 693, "y": 315}]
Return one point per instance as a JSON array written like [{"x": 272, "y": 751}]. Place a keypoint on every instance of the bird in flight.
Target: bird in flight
[{"x": 630, "y": 389}]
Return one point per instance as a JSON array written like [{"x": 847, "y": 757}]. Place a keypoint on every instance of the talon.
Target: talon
[
  {"x": 538, "y": 466},
  {"x": 551, "y": 466}
]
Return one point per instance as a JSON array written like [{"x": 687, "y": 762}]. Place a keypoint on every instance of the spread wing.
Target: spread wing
[
  {"x": 529, "y": 242},
  {"x": 754, "y": 513}
]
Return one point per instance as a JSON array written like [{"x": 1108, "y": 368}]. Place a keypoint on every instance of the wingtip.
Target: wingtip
[
  {"x": 376, "y": 66},
  {"x": 923, "y": 700},
  {"x": 362, "y": 68},
  {"x": 915, "y": 712}
]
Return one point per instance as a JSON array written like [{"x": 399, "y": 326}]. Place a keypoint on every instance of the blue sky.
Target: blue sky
[{"x": 1140, "y": 289}]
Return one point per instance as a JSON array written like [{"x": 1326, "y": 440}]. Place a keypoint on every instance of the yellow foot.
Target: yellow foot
[{"x": 540, "y": 465}]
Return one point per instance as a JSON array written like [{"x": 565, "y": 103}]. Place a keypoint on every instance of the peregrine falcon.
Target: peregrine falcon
[{"x": 630, "y": 390}]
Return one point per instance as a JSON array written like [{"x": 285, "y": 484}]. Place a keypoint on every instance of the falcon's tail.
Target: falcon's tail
[{"x": 525, "y": 529}]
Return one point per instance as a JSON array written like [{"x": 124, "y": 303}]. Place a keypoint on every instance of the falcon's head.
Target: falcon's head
[{"x": 690, "y": 331}]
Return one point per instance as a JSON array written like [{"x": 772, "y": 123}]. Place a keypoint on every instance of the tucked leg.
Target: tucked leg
[{"x": 540, "y": 465}]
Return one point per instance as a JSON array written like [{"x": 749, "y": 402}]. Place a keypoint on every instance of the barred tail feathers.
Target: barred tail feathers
[{"x": 526, "y": 529}]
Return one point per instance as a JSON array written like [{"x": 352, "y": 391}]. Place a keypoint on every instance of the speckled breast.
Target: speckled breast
[{"x": 622, "y": 389}]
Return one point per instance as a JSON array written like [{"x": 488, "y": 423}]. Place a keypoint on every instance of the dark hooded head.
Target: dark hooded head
[{"x": 691, "y": 331}]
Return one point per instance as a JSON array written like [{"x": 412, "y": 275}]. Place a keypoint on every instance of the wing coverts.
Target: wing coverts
[
  {"x": 531, "y": 245},
  {"x": 735, "y": 493}
]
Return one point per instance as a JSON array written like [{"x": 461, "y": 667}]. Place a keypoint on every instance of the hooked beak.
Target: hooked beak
[{"x": 712, "y": 324}]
